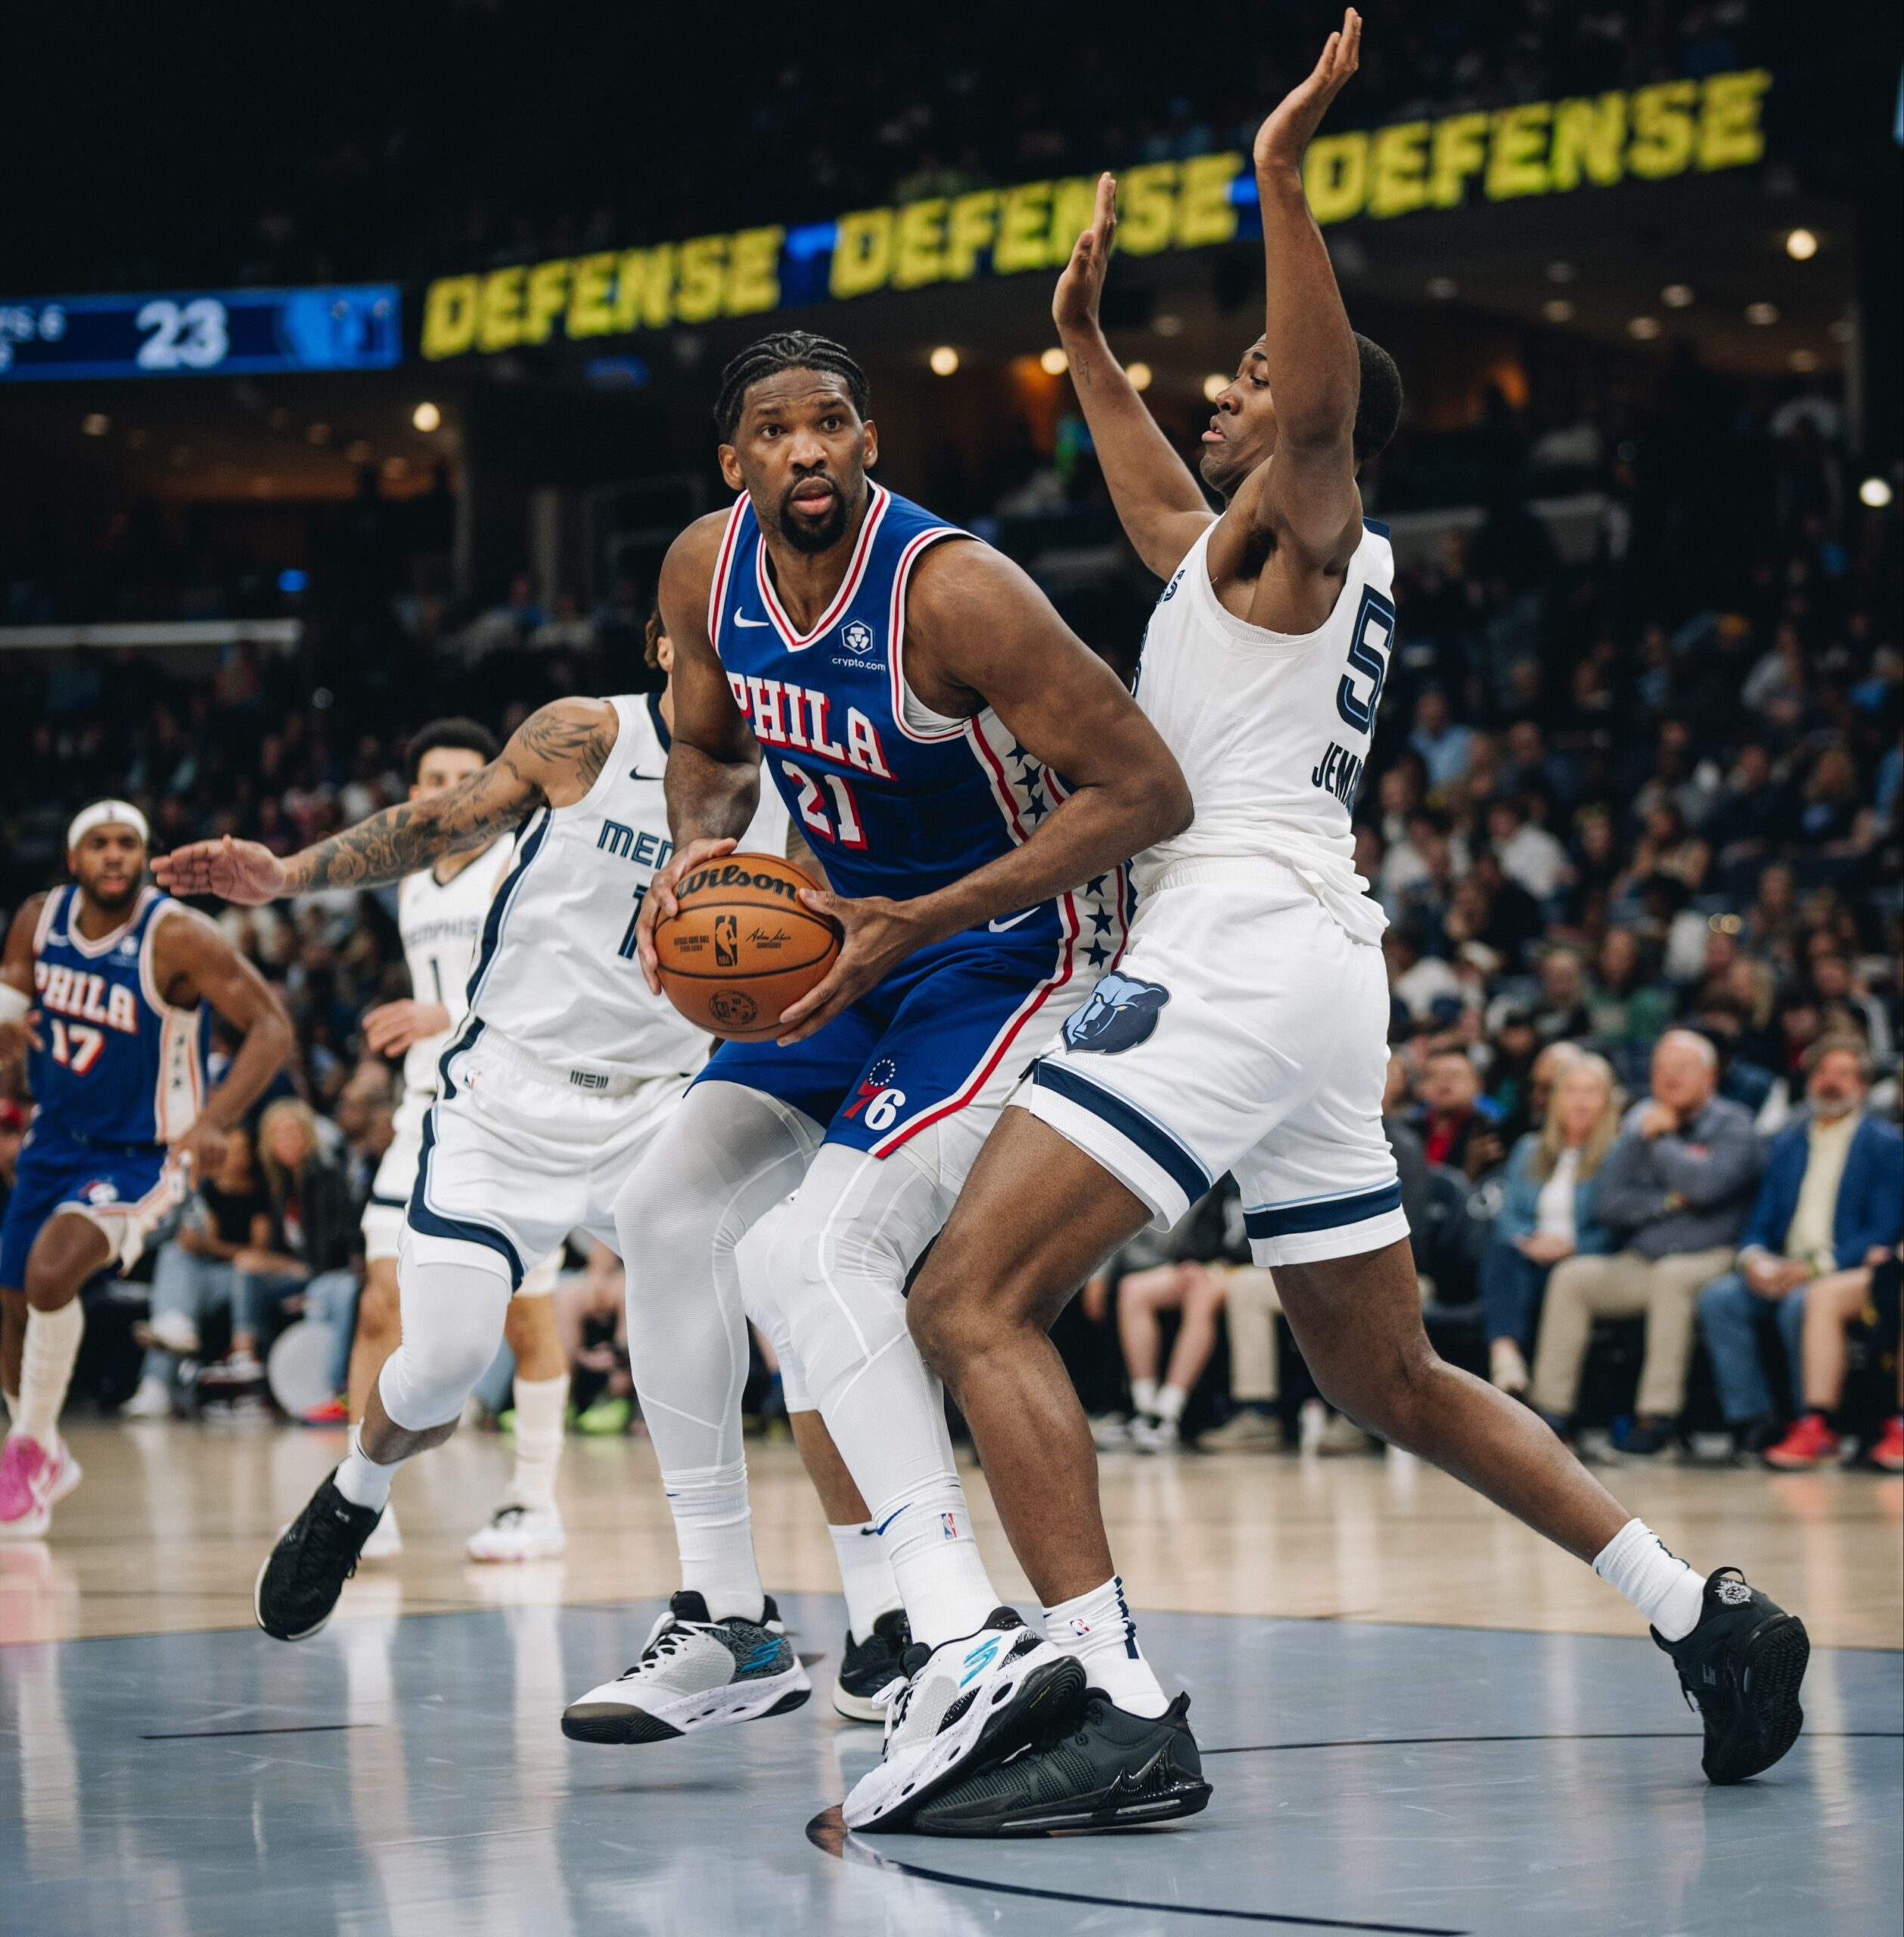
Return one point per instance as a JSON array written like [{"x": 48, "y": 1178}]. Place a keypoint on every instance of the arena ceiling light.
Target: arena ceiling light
[
  {"x": 1801, "y": 245},
  {"x": 1167, "y": 325},
  {"x": 1441, "y": 287},
  {"x": 1215, "y": 384},
  {"x": 1561, "y": 272},
  {"x": 1643, "y": 329},
  {"x": 944, "y": 360},
  {"x": 1875, "y": 492},
  {"x": 1557, "y": 310},
  {"x": 95, "y": 423},
  {"x": 426, "y": 416},
  {"x": 1053, "y": 362},
  {"x": 1139, "y": 374},
  {"x": 318, "y": 433},
  {"x": 1804, "y": 361},
  {"x": 1677, "y": 296},
  {"x": 1762, "y": 316}
]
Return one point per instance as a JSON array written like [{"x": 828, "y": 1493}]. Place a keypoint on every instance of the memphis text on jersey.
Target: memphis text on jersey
[{"x": 1338, "y": 772}]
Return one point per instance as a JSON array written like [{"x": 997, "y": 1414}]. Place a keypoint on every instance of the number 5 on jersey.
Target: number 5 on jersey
[
  {"x": 1369, "y": 646},
  {"x": 841, "y": 827}
]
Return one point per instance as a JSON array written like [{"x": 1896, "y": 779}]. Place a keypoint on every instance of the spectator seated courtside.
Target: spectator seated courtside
[
  {"x": 1547, "y": 1211},
  {"x": 1676, "y": 1187},
  {"x": 1831, "y": 1199}
]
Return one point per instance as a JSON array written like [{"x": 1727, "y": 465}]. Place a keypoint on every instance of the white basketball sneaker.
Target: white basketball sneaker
[
  {"x": 694, "y": 1673},
  {"x": 519, "y": 1533},
  {"x": 386, "y": 1541},
  {"x": 966, "y": 1705}
]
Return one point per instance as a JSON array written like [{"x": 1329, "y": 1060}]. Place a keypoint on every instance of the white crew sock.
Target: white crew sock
[
  {"x": 1170, "y": 1403},
  {"x": 540, "y": 1406},
  {"x": 936, "y": 1562},
  {"x": 1664, "y": 1589},
  {"x": 360, "y": 1479},
  {"x": 1097, "y": 1628},
  {"x": 46, "y": 1369},
  {"x": 715, "y": 1533},
  {"x": 865, "y": 1576},
  {"x": 1143, "y": 1395}
]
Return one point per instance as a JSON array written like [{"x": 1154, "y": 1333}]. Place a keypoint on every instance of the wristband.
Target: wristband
[{"x": 13, "y": 1004}]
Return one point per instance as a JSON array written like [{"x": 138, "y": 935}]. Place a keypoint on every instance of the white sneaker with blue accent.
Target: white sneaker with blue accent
[
  {"x": 966, "y": 1704},
  {"x": 694, "y": 1673}
]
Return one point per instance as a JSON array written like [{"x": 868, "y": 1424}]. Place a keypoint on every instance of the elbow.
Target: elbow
[{"x": 1170, "y": 807}]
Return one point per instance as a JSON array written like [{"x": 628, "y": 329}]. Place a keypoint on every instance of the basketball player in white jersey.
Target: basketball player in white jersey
[
  {"x": 563, "y": 1070},
  {"x": 440, "y": 911},
  {"x": 1244, "y": 1029}
]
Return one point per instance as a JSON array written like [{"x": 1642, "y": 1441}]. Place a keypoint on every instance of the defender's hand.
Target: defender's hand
[
  {"x": 1291, "y": 127},
  {"x": 390, "y": 1028},
  {"x": 659, "y": 902},
  {"x": 879, "y": 934},
  {"x": 239, "y": 870},
  {"x": 202, "y": 1147},
  {"x": 1074, "y": 303}
]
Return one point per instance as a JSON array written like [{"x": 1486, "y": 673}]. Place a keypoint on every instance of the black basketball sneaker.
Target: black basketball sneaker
[
  {"x": 304, "y": 1573},
  {"x": 1741, "y": 1667},
  {"x": 871, "y": 1669},
  {"x": 1104, "y": 1768}
]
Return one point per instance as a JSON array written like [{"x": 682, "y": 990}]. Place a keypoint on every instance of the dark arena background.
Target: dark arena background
[{"x": 355, "y": 371}]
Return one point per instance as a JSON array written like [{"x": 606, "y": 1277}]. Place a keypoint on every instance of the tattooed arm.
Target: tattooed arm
[{"x": 552, "y": 760}]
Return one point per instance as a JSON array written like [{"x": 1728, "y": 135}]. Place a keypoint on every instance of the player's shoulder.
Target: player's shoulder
[
  {"x": 174, "y": 925},
  {"x": 23, "y": 931},
  {"x": 698, "y": 546}
]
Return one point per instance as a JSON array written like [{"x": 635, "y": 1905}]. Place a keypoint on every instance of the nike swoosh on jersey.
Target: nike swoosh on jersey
[
  {"x": 999, "y": 927},
  {"x": 635, "y": 773},
  {"x": 740, "y": 619}
]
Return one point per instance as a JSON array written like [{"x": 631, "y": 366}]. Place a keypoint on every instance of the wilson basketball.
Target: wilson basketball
[{"x": 743, "y": 945}]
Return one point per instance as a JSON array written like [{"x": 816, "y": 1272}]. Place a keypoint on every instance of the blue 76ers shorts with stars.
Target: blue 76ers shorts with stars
[
  {"x": 1244, "y": 1030},
  {"x": 129, "y": 1193},
  {"x": 941, "y": 1040}
]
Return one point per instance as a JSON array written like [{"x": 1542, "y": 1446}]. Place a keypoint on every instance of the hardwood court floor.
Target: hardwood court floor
[
  {"x": 166, "y": 1532},
  {"x": 1419, "y": 1721}
]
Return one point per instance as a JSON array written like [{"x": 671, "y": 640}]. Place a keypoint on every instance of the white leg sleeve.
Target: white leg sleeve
[
  {"x": 727, "y": 1157},
  {"x": 769, "y": 1313},
  {"x": 452, "y": 1324},
  {"x": 836, "y": 1263}
]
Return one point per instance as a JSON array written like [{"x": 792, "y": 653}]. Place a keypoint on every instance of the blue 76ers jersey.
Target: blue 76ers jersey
[
  {"x": 891, "y": 806},
  {"x": 118, "y": 1067}
]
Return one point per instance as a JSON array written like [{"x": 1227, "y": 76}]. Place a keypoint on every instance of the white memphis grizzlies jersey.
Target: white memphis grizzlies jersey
[
  {"x": 1271, "y": 729},
  {"x": 441, "y": 923},
  {"x": 557, "y": 973}
]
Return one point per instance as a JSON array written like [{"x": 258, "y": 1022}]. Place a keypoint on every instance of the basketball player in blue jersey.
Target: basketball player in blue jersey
[
  {"x": 972, "y": 778},
  {"x": 1245, "y": 1031},
  {"x": 104, "y": 985}
]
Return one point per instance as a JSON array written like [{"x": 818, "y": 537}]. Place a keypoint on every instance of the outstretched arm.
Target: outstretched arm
[
  {"x": 17, "y": 1014},
  {"x": 1307, "y": 495},
  {"x": 1161, "y": 508},
  {"x": 554, "y": 757}
]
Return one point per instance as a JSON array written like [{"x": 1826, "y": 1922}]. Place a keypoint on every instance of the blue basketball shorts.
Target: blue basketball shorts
[{"x": 131, "y": 1194}]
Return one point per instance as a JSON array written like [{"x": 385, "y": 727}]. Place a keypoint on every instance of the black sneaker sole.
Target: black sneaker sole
[
  {"x": 1768, "y": 1718},
  {"x": 1048, "y": 1694},
  {"x": 607, "y": 1722},
  {"x": 1186, "y": 1798}
]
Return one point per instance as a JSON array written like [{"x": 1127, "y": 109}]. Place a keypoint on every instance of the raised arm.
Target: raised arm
[
  {"x": 1161, "y": 506},
  {"x": 978, "y": 629},
  {"x": 1307, "y": 494},
  {"x": 554, "y": 757},
  {"x": 191, "y": 962},
  {"x": 17, "y": 1014},
  {"x": 713, "y": 774}
]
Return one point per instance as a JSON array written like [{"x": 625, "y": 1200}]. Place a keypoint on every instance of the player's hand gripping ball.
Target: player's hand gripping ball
[{"x": 743, "y": 945}]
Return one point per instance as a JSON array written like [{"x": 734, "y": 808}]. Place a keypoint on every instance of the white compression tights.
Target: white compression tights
[{"x": 729, "y": 1155}]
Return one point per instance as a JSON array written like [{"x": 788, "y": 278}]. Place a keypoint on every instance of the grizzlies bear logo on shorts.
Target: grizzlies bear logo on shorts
[{"x": 1122, "y": 1012}]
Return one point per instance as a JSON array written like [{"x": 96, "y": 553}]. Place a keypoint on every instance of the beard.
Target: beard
[
  {"x": 112, "y": 901},
  {"x": 1832, "y": 1108},
  {"x": 805, "y": 534}
]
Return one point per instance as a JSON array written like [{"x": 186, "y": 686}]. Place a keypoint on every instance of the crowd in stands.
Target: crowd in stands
[{"x": 1634, "y": 821}]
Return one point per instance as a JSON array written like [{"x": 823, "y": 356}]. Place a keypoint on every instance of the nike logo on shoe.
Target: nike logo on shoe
[{"x": 753, "y": 625}]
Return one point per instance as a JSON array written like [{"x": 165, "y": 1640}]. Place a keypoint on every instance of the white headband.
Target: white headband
[{"x": 120, "y": 814}]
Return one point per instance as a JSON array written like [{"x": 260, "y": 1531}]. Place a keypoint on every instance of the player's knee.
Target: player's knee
[
  {"x": 61, "y": 1260},
  {"x": 378, "y": 1321}
]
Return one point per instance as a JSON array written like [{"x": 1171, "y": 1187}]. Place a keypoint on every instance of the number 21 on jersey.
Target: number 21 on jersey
[{"x": 837, "y": 821}]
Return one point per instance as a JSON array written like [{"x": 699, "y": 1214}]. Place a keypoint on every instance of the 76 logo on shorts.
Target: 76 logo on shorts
[{"x": 877, "y": 1096}]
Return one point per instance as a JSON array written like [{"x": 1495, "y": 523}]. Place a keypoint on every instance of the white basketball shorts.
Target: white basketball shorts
[
  {"x": 1244, "y": 1030},
  {"x": 516, "y": 1154}
]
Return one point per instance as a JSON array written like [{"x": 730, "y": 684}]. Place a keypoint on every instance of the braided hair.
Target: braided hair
[{"x": 786, "y": 349}]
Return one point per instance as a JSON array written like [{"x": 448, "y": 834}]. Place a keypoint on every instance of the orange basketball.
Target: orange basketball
[{"x": 743, "y": 945}]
